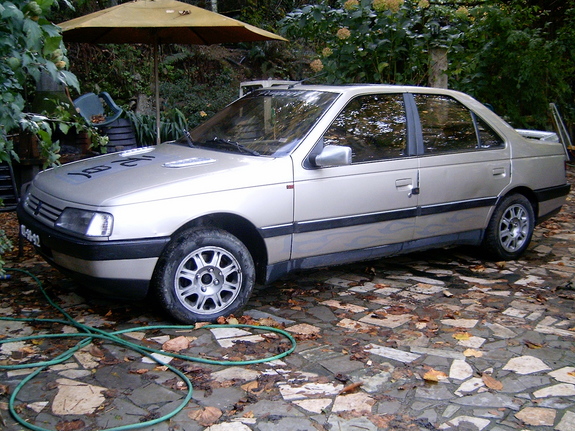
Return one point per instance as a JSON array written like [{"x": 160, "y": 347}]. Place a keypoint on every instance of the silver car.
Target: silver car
[{"x": 288, "y": 178}]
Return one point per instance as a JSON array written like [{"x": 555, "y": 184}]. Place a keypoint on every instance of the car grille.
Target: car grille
[{"x": 41, "y": 209}]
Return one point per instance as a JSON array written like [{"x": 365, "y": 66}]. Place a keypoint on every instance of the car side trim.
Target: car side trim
[
  {"x": 456, "y": 206},
  {"x": 316, "y": 225},
  {"x": 334, "y": 223},
  {"x": 549, "y": 193},
  {"x": 362, "y": 219}
]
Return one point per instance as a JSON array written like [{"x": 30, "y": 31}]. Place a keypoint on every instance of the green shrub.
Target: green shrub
[{"x": 379, "y": 41}]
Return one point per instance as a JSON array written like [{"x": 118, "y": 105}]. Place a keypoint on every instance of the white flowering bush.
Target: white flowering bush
[{"x": 380, "y": 41}]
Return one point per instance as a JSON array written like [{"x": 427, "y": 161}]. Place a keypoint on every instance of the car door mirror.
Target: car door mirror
[{"x": 333, "y": 155}]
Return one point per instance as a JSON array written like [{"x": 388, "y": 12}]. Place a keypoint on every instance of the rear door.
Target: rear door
[{"x": 464, "y": 166}]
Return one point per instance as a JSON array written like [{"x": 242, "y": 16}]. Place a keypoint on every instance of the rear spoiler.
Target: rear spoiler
[{"x": 540, "y": 135}]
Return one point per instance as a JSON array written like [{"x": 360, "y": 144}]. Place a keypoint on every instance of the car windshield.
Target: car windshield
[{"x": 264, "y": 122}]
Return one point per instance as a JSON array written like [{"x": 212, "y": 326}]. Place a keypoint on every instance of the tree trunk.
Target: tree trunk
[{"x": 438, "y": 66}]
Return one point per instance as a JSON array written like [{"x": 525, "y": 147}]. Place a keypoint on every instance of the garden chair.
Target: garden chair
[{"x": 91, "y": 107}]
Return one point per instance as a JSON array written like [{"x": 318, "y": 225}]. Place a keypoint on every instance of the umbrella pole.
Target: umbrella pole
[{"x": 157, "y": 89}]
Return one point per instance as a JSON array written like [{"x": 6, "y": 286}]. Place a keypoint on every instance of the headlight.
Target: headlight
[{"x": 88, "y": 223}]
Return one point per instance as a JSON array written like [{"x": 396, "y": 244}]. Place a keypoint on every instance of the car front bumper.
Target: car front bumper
[{"x": 121, "y": 269}]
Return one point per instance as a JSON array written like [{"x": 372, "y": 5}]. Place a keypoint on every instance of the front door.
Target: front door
[{"x": 367, "y": 208}]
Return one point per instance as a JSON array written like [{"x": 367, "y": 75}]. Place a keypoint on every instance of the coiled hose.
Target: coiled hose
[{"x": 87, "y": 334}]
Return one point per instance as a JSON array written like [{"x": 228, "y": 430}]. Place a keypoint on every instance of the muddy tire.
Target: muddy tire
[{"x": 204, "y": 274}]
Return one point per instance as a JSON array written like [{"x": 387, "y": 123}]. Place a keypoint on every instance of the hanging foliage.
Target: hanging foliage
[{"x": 30, "y": 46}]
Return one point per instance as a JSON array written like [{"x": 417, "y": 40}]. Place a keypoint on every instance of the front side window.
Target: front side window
[
  {"x": 265, "y": 122},
  {"x": 449, "y": 127},
  {"x": 374, "y": 126}
]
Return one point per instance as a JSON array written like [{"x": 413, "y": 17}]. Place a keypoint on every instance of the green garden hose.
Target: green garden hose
[{"x": 88, "y": 334}]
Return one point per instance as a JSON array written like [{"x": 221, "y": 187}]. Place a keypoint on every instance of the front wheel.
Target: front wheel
[
  {"x": 204, "y": 274},
  {"x": 510, "y": 228}
]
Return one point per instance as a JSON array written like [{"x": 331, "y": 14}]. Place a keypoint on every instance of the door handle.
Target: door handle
[
  {"x": 406, "y": 184},
  {"x": 403, "y": 183},
  {"x": 498, "y": 172}
]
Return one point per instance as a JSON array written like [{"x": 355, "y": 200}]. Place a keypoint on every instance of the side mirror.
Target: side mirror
[{"x": 333, "y": 155}]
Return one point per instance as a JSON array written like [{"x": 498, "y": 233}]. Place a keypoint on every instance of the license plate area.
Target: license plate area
[{"x": 32, "y": 237}]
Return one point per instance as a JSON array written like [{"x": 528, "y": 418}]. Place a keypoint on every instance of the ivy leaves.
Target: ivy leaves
[{"x": 30, "y": 45}]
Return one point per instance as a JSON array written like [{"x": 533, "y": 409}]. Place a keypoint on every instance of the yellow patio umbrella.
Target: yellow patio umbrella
[{"x": 157, "y": 22}]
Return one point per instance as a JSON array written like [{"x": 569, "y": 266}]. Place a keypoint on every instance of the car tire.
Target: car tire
[
  {"x": 204, "y": 274},
  {"x": 510, "y": 229}
]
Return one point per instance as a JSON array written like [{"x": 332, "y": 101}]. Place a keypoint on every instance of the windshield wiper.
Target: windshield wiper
[
  {"x": 219, "y": 142},
  {"x": 187, "y": 138}
]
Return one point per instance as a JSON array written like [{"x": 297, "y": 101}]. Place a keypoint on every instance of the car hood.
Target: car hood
[{"x": 160, "y": 172}]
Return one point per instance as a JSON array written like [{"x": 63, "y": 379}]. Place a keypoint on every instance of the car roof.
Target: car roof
[{"x": 358, "y": 88}]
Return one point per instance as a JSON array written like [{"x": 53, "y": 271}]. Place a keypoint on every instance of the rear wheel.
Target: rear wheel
[
  {"x": 204, "y": 274},
  {"x": 510, "y": 229}
]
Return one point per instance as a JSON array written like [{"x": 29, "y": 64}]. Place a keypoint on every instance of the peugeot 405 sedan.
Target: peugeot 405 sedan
[{"x": 289, "y": 178}]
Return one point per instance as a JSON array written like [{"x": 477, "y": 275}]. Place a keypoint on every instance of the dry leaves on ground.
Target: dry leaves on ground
[
  {"x": 434, "y": 376},
  {"x": 206, "y": 416},
  {"x": 492, "y": 383}
]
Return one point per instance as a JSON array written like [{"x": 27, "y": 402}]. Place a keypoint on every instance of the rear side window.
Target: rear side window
[
  {"x": 374, "y": 126},
  {"x": 449, "y": 127}
]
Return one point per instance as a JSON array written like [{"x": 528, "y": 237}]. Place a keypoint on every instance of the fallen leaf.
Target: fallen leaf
[
  {"x": 492, "y": 383},
  {"x": 28, "y": 350},
  {"x": 434, "y": 376},
  {"x": 96, "y": 351},
  {"x": 268, "y": 321},
  {"x": 70, "y": 425},
  {"x": 176, "y": 344},
  {"x": 350, "y": 388},
  {"x": 250, "y": 386},
  {"x": 473, "y": 352},
  {"x": 304, "y": 329},
  {"x": 532, "y": 345},
  {"x": 397, "y": 310},
  {"x": 462, "y": 336},
  {"x": 381, "y": 421},
  {"x": 206, "y": 416}
]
